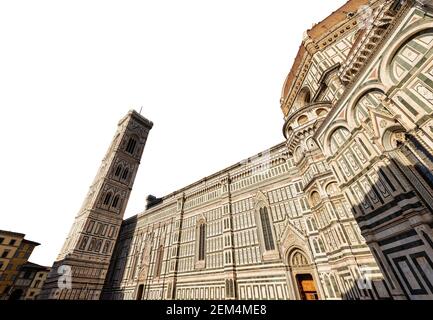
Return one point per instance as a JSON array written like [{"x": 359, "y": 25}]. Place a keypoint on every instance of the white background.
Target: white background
[{"x": 208, "y": 74}]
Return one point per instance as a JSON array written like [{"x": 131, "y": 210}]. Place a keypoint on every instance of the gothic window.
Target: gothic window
[
  {"x": 115, "y": 202},
  {"x": 298, "y": 260},
  {"x": 132, "y": 143},
  {"x": 202, "y": 242},
  {"x": 107, "y": 198},
  {"x": 118, "y": 170},
  {"x": 266, "y": 229},
  {"x": 158, "y": 263},
  {"x": 125, "y": 173}
]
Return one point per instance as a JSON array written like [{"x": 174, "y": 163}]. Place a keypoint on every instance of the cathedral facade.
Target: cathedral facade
[{"x": 341, "y": 209}]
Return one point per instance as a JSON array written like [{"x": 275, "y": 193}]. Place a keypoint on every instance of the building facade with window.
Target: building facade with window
[
  {"x": 14, "y": 253},
  {"x": 342, "y": 209},
  {"x": 29, "y": 281},
  {"x": 246, "y": 232}
]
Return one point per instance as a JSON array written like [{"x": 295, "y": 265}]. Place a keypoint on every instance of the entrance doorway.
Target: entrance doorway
[
  {"x": 307, "y": 289},
  {"x": 140, "y": 292}
]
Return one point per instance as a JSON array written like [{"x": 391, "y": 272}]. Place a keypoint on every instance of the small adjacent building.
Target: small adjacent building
[
  {"x": 29, "y": 282},
  {"x": 15, "y": 251}
]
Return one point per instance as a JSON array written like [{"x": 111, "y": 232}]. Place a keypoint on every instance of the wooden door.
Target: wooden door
[{"x": 307, "y": 288}]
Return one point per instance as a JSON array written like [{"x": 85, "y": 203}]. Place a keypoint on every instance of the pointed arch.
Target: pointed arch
[
  {"x": 297, "y": 257},
  {"x": 132, "y": 144},
  {"x": 118, "y": 170},
  {"x": 125, "y": 173},
  {"x": 107, "y": 198},
  {"x": 116, "y": 200}
]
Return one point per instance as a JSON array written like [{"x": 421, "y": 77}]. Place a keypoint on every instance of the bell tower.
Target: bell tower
[{"x": 81, "y": 267}]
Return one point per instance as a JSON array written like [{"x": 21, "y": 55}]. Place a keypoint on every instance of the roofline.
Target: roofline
[
  {"x": 11, "y": 233},
  {"x": 220, "y": 172},
  {"x": 137, "y": 116},
  {"x": 30, "y": 242},
  {"x": 198, "y": 182},
  {"x": 35, "y": 265}
]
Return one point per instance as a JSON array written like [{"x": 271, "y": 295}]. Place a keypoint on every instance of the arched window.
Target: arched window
[
  {"x": 125, "y": 173},
  {"x": 107, "y": 198},
  {"x": 298, "y": 260},
  {"x": 115, "y": 201},
  {"x": 202, "y": 242},
  {"x": 266, "y": 229},
  {"x": 118, "y": 170},
  {"x": 130, "y": 148},
  {"x": 158, "y": 261}
]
